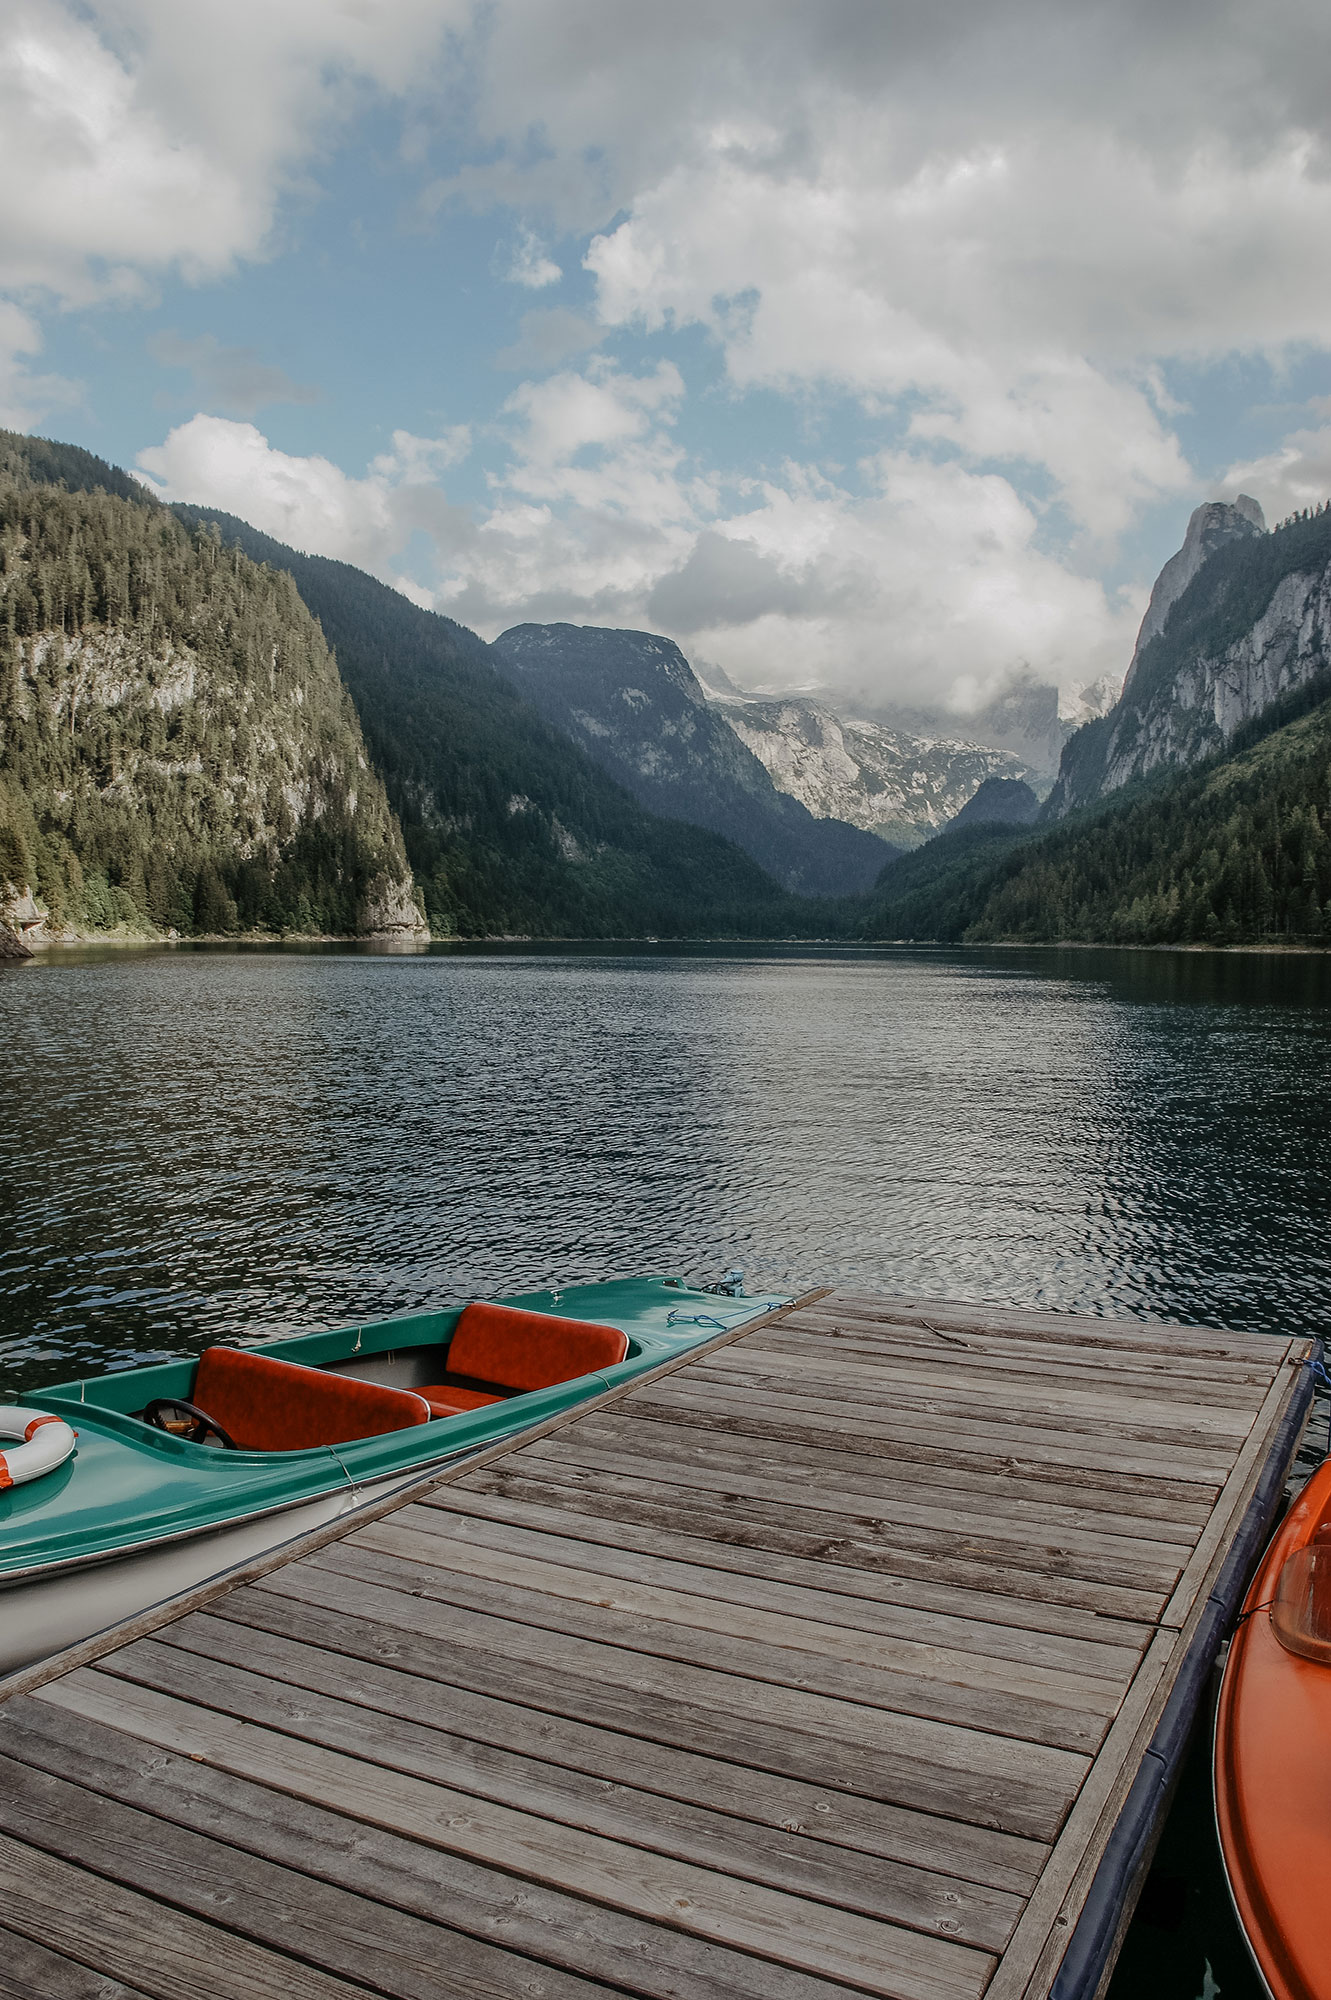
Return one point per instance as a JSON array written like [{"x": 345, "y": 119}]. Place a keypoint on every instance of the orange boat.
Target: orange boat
[{"x": 1273, "y": 1755}]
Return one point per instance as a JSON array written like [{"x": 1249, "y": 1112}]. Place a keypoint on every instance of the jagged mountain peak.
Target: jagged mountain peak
[
  {"x": 1210, "y": 527},
  {"x": 1249, "y": 626},
  {"x": 895, "y": 783}
]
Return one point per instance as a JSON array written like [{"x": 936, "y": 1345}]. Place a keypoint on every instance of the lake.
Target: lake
[{"x": 201, "y": 1141}]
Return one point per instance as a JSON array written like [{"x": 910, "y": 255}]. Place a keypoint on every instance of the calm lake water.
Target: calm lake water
[{"x": 201, "y": 1142}]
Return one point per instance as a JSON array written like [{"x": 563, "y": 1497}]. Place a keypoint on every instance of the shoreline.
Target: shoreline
[{"x": 15, "y": 950}]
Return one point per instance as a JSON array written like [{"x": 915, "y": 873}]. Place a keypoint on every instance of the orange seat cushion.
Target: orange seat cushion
[
  {"x": 270, "y": 1405},
  {"x": 500, "y": 1351},
  {"x": 447, "y": 1400}
]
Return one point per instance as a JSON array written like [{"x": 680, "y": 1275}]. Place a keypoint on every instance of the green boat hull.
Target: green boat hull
[{"x": 137, "y": 1515}]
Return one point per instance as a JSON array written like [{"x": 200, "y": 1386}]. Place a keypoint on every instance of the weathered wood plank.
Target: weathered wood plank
[
  {"x": 1067, "y": 1345},
  {"x": 733, "y": 1676},
  {"x": 786, "y": 1627},
  {"x": 1046, "y": 1916},
  {"x": 845, "y": 1539},
  {"x": 929, "y": 1618},
  {"x": 994, "y": 1495},
  {"x": 953, "y": 1464},
  {"x": 1238, "y": 1489},
  {"x": 878, "y": 1958},
  {"x": 815, "y": 1813},
  {"x": 957, "y": 1316},
  {"x": 938, "y": 1420},
  {"x": 331, "y": 1928},
  {"x": 916, "y": 1897},
  {"x": 506, "y": 1938},
  {"x": 930, "y": 1766},
  {"x": 159, "y": 1949},
  {"x": 1210, "y": 1383},
  {"x": 810, "y": 1561},
  {"x": 1113, "y": 1559},
  {"x": 1147, "y": 1416},
  {"x": 486, "y": 1614},
  {"x": 29, "y": 1971}
]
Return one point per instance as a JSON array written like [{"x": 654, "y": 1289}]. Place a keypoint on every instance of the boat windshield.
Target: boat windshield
[{"x": 1301, "y": 1608}]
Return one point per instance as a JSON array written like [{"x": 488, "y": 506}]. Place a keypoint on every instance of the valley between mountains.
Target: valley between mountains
[{"x": 206, "y": 733}]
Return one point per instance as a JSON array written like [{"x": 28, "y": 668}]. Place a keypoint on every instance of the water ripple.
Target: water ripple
[{"x": 204, "y": 1142}]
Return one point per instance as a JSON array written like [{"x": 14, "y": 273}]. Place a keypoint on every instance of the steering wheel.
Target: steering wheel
[{"x": 201, "y": 1424}]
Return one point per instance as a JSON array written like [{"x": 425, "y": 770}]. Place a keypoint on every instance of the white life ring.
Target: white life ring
[{"x": 44, "y": 1443}]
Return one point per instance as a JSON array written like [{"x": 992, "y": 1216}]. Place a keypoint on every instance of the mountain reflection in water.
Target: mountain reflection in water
[{"x": 202, "y": 1142}]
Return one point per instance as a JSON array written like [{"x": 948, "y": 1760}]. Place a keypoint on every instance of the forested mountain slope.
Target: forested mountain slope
[
  {"x": 1234, "y": 851},
  {"x": 177, "y": 751},
  {"x": 634, "y": 704},
  {"x": 509, "y": 825}
]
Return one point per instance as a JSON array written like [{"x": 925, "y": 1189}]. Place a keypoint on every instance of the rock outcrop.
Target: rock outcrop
[
  {"x": 1239, "y": 620},
  {"x": 900, "y": 786},
  {"x": 1211, "y": 526}
]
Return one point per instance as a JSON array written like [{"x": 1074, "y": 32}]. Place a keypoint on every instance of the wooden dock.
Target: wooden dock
[{"x": 822, "y": 1662}]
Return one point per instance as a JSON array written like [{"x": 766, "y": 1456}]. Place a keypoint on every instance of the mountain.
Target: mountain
[
  {"x": 1235, "y": 850},
  {"x": 942, "y": 888},
  {"x": 510, "y": 826},
  {"x": 1031, "y": 720},
  {"x": 1211, "y": 526},
  {"x": 1000, "y": 802},
  {"x": 177, "y": 752},
  {"x": 1251, "y": 623},
  {"x": 633, "y": 702},
  {"x": 901, "y": 787}
]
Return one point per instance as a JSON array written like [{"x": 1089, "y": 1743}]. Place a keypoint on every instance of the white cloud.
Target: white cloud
[
  {"x": 997, "y": 225},
  {"x": 310, "y": 503},
  {"x": 26, "y": 397},
  {"x": 926, "y": 581},
  {"x": 530, "y": 266},
  {"x": 1295, "y": 476},
  {"x": 137, "y": 135}
]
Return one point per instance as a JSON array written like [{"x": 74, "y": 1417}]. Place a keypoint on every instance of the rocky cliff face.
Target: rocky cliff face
[
  {"x": 1250, "y": 624},
  {"x": 177, "y": 752},
  {"x": 899, "y": 786},
  {"x": 1212, "y": 525},
  {"x": 633, "y": 702}
]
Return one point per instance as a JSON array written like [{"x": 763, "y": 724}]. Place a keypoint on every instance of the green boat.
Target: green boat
[{"x": 124, "y": 1490}]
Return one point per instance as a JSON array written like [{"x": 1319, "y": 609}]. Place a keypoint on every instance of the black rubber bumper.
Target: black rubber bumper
[{"x": 1086, "y": 1958}]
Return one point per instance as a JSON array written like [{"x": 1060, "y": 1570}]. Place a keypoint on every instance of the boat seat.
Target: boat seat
[
  {"x": 271, "y": 1405},
  {"x": 500, "y": 1351}
]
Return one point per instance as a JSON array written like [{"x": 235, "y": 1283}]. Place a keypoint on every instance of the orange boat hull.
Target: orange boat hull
[{"x": 1273, "y": 1776}]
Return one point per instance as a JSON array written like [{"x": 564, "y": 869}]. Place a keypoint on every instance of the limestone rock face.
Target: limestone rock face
[
  {"x": 901, "y": 786},
  {"x": 1250, "y": 624},
  {"x": 390, "y": 909},
  {"x": 22, "y": 920},
  {"x": 1212, "y": 525},
  {"x": 1210, "y": 699},
  {"x": 178, "y": 754}
]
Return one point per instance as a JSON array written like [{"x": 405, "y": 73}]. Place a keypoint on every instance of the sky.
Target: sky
[{"x": 875, "y": 348}]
